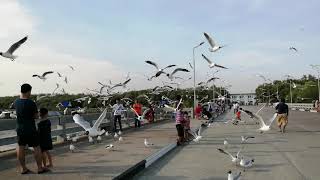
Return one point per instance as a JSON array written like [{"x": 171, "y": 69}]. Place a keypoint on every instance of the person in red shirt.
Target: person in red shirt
[
  {"x": 138, "y": 108},
  {"x": 198, "y": 111}
]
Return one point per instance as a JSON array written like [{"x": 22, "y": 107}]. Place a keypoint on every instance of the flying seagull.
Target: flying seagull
[
  {"x": 140, "y": 117},
  {"x": 214, "y": 46},
  {"x": 190, "y": 65},
  {"x": 212, "y": 64},
  {"x": 121, "y": 84},
  {"x": 293, "y": 48},
  {"x": 57, "y": 87},
  {"x": 212, "y": 79},
  {"x": 246, "y": 163},
  {"x": 235, "y": 159},
  {"x": 244, "y": 139},
  {"x": 109, "y": 146},
  {"x": 170, "y": 76},
  {"x": 263, "y": 126},
  {"x": 59, "y": 74},
  {"x": 233, "y": 177},
  {"x": 147, "y": 144},
  {"x": 198, "y": 135},
  {"x": 91, "y": 131},
  {"x": 71, "y": 67},
  {"x": 174, "y": 109},
  {"x": 159, "y": 70},
  {"x": 43, "y": 76},
  {"x": 14, "y": 47}
]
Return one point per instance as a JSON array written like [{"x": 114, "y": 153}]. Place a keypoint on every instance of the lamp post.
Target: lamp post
[
  {"x": 194, "y": 78},
  {"x": 317, "y": 68}
]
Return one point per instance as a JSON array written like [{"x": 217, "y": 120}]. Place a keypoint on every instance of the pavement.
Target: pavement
[
  {"x": 93, "y": 161},
  {"x": 293, "y": 155}
]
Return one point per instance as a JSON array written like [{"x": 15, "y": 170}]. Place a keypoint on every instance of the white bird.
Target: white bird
[
  {"x": 214, "y": 46},
  {"x": 72, "y": 147},
  {"x": 90, "y": 139},
  {"x": 212, "y": 79},
  {"x": 147, "y": 144},
  {"x": 59, "y": 74},
  {"x": 244, "y": 139},
  {"x": 294, "y": 85},
  {"x": 174, "y": 109},
  {"x": 140, "y": 117},
  {"x": 246, "y": 163},
  {"x": 66, "y": 80},
  {"x": 225, "y": 143},
  {"x": 43, "y": 76},
  {"x": 170, "y": 76},
  {"x": 190, "y": 65},
  {"x": 120, "y": 138},
  {"x": 57, "y": 87},
  {"x": 198, "y": 135},
  {"x": 91, "y": 131},
  {"x": 293, "y": 48},
  {"x": 263, "y": 126},
  {"x": 234, "y": 177},
  {"x": 119, "y": 132},
  {"x": 212, "y": 64},
  {"x": 159, "y": 70},
  {"x": 235, "y": 159},
  {"x": 9, "y": 53},
  {"x": 71, "y": 67},
  {"x": 99, "y": 139},
  {"x": 65, "y": 111},
  {"x": 107, "y": 134},
  {"x": 116, "y": 135},
  {"x": 121, "y": 84},
  {"x": 109, "y": 146}
]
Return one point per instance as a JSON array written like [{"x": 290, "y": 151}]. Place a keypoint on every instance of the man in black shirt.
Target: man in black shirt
[
  {"x": 283, "y": 113},
  {"x": 27, "y": 133}
]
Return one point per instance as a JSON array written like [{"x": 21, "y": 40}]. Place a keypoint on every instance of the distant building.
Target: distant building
[{"x": 244, "y": 98}]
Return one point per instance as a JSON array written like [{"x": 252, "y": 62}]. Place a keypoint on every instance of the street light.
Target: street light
[
  {"x": 194, "y": 78},
  {"x": 290, "y": 79},
  {"x": 317, "y": 68}
]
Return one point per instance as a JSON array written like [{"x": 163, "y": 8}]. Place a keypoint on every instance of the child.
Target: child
[
  {"x": 179, "y": 124},
  {"x": 238, "y": 116},
  {"x": 44, "y": 129},
  {"x": 186, "y": 125}
]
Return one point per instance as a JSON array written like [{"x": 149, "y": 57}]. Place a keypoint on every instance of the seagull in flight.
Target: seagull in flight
[
  {"x": 170, "y": 76},
  {"x": 140, "y": 117},
  {"x": 212, "y": 79},
  {"x": 121, "y": 84},
  {"x": 159, "y": 70},
  {"x": 190, "y": 65},
  {"x": 233, "y": 177},
  {"x": 263, "y": 126},
  {"x": 246, "y": 163},
  {"x": 66, "y": 80},
  {"x": 214, "y": 46},
  {"x": 244, "y": 139},
  {"x": 147, "y": 144},
  {"x": 59, "y": 74},
  {"x": 9, "y": 53},
  {"x": 235, "y": 159},
  {"x": 91, "y": 131},
  {"x": 212, "y": 64},
  {"x": 71, "y": 67},
  {"x": 293, "y": 48},
  {"x": 174, "y": 109},
  {"x": 43, "y": 76},
  {"x": 198, "y": 135}
]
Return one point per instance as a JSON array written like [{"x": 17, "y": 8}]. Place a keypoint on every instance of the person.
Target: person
[
  {"x": 150, "y": 114},
  {"x": 206, "y": 113},
  {"x": 186, "y": 125},
  {"x": 198, "y": 111},
  {"x": 238, "y": 117},
  {"x": 27, "y": 134},
  {"x": 138, "y": 108},
  {"x": 117, "y": 111},
  {"x": 283, "y": 113},
  {"x": 179, "y": 124},
  {"x": 44, "y": 129},
  {"x": 235, "y": 107}
]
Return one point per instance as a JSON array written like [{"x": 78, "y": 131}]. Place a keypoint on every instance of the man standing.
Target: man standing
[
  {"x": 138, "y": 108},
  {"x": 27, "y": 112},
  {"x": 283, "y": 113},
  {"x": 117, "y": 111}
]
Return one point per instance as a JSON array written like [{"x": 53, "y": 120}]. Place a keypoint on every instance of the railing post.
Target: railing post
[{"x": 61, "y": 126}]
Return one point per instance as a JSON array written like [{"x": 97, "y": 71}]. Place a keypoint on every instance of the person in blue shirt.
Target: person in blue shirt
[{"x": 44, "y": 130}]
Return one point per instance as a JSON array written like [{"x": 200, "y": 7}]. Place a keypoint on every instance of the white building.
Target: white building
[{"x": 244, "y": 98}]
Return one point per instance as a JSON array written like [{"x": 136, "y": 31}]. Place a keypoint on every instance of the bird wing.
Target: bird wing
[
  {"x": 212, "y": 79},
  {"x": 153, "y": 64},
  {"x": 135, "y": 112},
  {"x": 145, "y": 112},
  {"x": 210, "y": 40},
  {"x": 46, "y": 73},
  {"x": 180, "y": 101},
  {"x": 155, "y": 88},
  {"x": 199, "y": 131},
  {"x": 59, "y": 74},
  {"x": 172, "y": 65},
  {"x": 167, "y": 106},
  {"x": 239, "y": 151},
  {"x": 208, "y": 60},
  {"x": 80, "y": 121},
  {"x": 16, "y": 45},
  {"x": 127, "y": 81},
  {"x": 225, "y": 152},
  {"x": 219, "y": 66},
  {"x": 190, "y": 65},
  {"x": 180, "y": 69},
  {"x": 261, "y": 108},
  {"x": 273, "y": 118},
  {"x": 99, "y": 120},
  {"x": 258, "y": 117},
  {"x": 35, "y": 75},
  {"x": 237, "y": 177}
]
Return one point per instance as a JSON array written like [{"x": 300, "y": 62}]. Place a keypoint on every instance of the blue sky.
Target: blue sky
[{"x": 123, "y": 34}]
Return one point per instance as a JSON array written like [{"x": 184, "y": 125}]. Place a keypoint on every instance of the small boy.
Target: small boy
[
  {"x": 179, "y": 124},
  {"x": 44, "y": 129},
  {"x": 186, "y": 125},
  {"x": 238, "y": 116}
]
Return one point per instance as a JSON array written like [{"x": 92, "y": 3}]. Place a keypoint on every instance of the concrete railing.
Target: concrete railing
[
  {"x": 301, "y": 106},
  {"x": 64, "y": 125}
]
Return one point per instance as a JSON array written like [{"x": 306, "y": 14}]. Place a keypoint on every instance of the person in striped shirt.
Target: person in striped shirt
[{"x": 179, "y": 124}]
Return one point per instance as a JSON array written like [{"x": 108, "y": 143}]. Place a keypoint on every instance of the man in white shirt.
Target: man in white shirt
[{"x": 117, "y": 111}]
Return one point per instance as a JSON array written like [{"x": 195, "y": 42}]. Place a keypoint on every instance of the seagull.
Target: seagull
[
  {"x": 170, "y": 76},
  {"x": 63, "y": 91},
  {"x": 235, "y": 159},
  {"x": 244, "y": 139},
  {"x": 43, "y": 76},
  {"x": 233, "y": 177},
  {"x": 214, "y": 47},
  {"x": 72, "y": 68},
  {"x": 90, "y": 139},
  {"x": 198, "y": 136},
  {"x": 109, "y": 146},
  {"x": 14, "y": 47},
  {"x": 99, "y": 139},
  {"x": 261, "y": 76},
  {"x": 81, "y": 99},
  {"x": 246, "y": 163},
  {"x": 147, "y": 144},
  {"x": 121, "y": 84},
  {"x": 116, "y": 135},
  {"x": 263, "y": 126},
  {"x": 142, "y": 117},
  {"x": 160, "y": 71},
  {"x": 91, "y": 131},
  {"x": 212, "y": 79},
  {"x": 57, "y": 87},
  {"x": 294, "y": 85},
  {"x": 66, "y": 80},
  {"x": 72, "y": 147},
  {"x": 225, "y": 143},
  {"x": 119, "y": 132},
  {"x": 190, "y": 65},
  {"x": 211, "y": 64},
  {"x": 59, "y": 74},
  {"x": 107, "y": 134},
  {"x": 120, "y": 138},
  {"x": 174, "y": 109},
  {"x": 293, "y": 48}
]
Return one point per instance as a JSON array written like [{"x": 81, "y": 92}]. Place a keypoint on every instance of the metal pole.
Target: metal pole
[
  {"x": 291, "y": 92},
  {"x": 194, "y": 79},
  {"x": 318, "y": 86}
]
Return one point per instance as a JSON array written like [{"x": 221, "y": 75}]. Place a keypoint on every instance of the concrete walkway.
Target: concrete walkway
[
  {"x": 93, "y": 161},
  {"x": 290, "y": 156}
]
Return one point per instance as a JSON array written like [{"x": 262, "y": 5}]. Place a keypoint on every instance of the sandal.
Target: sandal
[{"x": 26, "y": 172}]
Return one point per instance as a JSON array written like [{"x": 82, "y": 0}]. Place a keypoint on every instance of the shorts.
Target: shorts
[
  {"x": 180, "y": 130},
  {"x": 282, "y": 119},
  {"x": 32, "y": 140}
]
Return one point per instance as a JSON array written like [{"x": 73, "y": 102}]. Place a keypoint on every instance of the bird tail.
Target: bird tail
[{"x": 102, "y": 132}]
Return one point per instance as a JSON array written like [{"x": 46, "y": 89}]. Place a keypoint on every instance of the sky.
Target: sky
[{"x": 106, "y": 40}]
